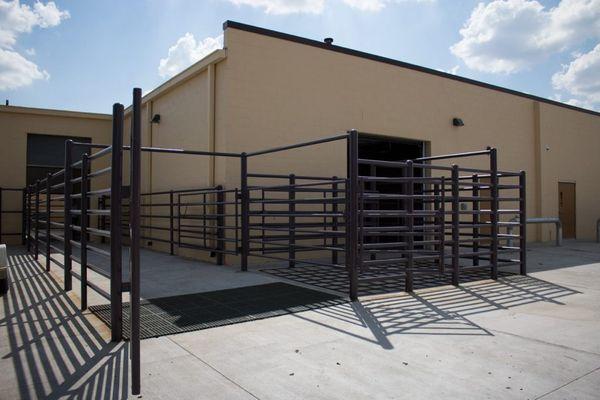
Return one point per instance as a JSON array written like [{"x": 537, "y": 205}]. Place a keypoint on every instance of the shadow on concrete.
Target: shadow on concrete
[
  {"x": 55, "y": 351},
  {"x": 573, "y": 253},
  {"x": 439, "y": 311}
]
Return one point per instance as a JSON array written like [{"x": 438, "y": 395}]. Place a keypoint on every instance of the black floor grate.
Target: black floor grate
[{"x": 191, "y": 312}]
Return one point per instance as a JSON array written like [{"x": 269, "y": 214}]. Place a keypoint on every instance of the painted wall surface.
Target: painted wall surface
[
  {"x": 569, "y": 146},
  {"x": 15, "y": 124},
  {"x": 278, "y": 92},
  {"x": 184, "y": 124}
]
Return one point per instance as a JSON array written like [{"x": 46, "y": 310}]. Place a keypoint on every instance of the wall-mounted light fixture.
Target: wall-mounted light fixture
[
  {"x": 457, "y": 122},
  {"x": 155, "y": 119}
]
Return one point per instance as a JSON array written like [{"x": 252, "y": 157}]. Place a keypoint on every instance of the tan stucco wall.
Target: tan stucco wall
[
  {"x": 185, "y": 123},
  {"x": 15, "y": 124},
  {"x": 279, "y": 92},
  {"x": 569, "y": 148}
]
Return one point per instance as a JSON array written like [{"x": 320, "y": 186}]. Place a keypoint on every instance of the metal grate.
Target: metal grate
[{"x": 191, "y": 312}]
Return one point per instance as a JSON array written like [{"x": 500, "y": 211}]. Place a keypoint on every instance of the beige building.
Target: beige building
[
  {"x": 33, "y": 145},
  {"x": 266, "y": 89}
]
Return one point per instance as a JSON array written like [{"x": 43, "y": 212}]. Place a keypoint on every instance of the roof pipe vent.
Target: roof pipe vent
[{"x": 328, "y": 40}]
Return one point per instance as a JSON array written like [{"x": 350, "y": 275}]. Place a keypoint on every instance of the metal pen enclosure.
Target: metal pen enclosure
[{"x": 438, "y": 219}]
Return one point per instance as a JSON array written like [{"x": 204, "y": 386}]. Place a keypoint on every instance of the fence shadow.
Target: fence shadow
[
  {"x": 54, "y": 350},
  {"x": 439, "y": 311}
]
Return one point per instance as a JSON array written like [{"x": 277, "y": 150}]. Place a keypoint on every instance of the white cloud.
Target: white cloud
[
  {"x": 48, "y": 15},
  {"x": 377, "y": 5},
  {"x": 17, "y": 71},
  {"x": 284, "y": 6},
  {"x": 506, "y": 36},
  {"x": 187, "y": 51},
  {"x": 279, "y": 7},
  {"x": 581, "y": 78},
  {"x": 366, "y": 5},
  {"x": 16, "y": 19}
]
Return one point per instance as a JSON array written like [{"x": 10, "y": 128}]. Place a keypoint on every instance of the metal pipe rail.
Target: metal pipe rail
[
  {"x": 402, "y": 219},
  {"x": 543, "y": 220},
  {"x": 411, "y": 198},
  {"x": 289, "y": 219}
]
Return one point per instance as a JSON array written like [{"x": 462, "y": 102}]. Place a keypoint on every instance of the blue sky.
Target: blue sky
[{"x": 85, "y": 55}]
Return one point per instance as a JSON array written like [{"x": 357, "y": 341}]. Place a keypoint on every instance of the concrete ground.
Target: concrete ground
[{"x": 530, "y": 337}]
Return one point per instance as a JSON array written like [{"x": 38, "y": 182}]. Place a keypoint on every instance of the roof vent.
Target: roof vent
[{"x": 328, "y": 40}]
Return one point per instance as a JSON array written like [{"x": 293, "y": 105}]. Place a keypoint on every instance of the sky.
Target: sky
[{"x": 85, "y": 55}]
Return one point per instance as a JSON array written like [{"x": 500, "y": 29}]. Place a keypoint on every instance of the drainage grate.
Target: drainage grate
[{"x": 191, "y": 312}]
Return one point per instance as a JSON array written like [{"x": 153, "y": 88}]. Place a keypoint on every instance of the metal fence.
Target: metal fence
[
  {"x": 419, "y": 218},
  {"x": 64, "y": 212},
  {"x": 403, "y": 218}
]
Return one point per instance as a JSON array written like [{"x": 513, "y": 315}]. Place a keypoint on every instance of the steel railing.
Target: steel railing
[{"x": 400, "y": 219}]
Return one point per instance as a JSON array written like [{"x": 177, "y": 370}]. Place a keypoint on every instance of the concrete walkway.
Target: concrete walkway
[{"x": 518, "y": 338}]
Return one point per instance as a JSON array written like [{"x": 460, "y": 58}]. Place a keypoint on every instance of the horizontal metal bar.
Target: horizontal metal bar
[
  {"x": 298, "y": 145},
  {"x": 326, "y": 200},
  {"x": 101, "y": 153},
  {"x": 185, "y": 191},
  {"x": 301, "y": 177},
  {"x": 90, "y": 145},
  {"x": 188, "y": 152},
  {"x": 399, "y": 179},
  {"x": 296, "y": 214},
  {"x": 456, "y": 155},
  {"x": 99, "y": 172}
]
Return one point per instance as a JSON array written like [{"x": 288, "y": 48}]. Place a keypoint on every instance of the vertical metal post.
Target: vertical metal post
[
  {"x": 334, "y": 222},
  {"x": 494, "y": 213},
  {"x": 442, "y": 266},
  {"x": 455, "y": 227},
  {"x": 410, "y": 240},
  {"x": 84, "y": 224},
  {"x": 134, "y": 254},
  {"x": 179, "y": 220},
  {"x": 102, "y": 218},
  {"x": 0, "y": 215},
  {"x": 171, "y": 224},
  {"x": 436, "y": 208},
  {"x": 204, "y": 221},
  {"x": 245, "y": 200},
  {"x": 292, "y": 221},
  {"x": 220, "y": 225},
  {"x": 28, "y": 218},
  {"x": 48, "y": 218},
  {"x": 67, "y": 217},
  {"x": 351, "y": 213},
  {"x": 262, "y": 220},
  {"x": 476, "y": 219},
  {"x": 116, "y": 311},
  {"x": 23, "y": 216},
  {"x": 37, "y": 220},
  {"x": 522, "y": 224}
]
